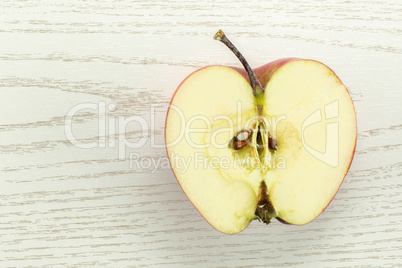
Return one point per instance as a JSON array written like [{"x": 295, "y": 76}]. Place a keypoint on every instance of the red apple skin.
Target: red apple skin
[{"x": 264, "y": 74}]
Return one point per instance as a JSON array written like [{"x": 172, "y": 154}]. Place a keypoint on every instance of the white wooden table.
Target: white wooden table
[{"x": 103, "y": 61}]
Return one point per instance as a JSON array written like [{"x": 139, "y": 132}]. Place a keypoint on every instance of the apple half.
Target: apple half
[{"x": 274, "y": 142}]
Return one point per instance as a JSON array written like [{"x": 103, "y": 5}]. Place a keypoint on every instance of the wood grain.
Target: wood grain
[{"x": 65, "y": 206}]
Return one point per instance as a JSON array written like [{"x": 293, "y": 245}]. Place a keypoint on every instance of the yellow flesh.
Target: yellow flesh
[
  {"x": 222, "y": 183},
  {"x": 304, "y": 188}
]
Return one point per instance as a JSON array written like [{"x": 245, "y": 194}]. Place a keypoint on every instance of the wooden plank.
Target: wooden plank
[{"x": 61, "y": 205}]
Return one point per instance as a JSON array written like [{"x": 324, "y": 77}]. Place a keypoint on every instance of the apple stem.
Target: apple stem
[{"x": 220, "y": 36}]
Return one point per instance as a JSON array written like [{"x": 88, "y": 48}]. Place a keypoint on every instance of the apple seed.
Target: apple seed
[
  {"x": 241, "y": 140},
  {"x": 273, "y": 145}
]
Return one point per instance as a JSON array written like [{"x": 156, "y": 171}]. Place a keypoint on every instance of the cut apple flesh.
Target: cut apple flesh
[{"x": 305, "y": 108}]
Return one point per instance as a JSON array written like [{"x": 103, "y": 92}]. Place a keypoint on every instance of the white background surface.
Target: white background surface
[{"x": 61, "y": 205}]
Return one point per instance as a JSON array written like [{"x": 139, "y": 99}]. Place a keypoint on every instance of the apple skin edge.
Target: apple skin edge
[
  {"x": 167, "y": 114},
  {"x": 264, "y": 74}
]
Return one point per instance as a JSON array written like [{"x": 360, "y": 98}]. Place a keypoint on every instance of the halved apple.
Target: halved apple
[{"x": 273, "y": 142}]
